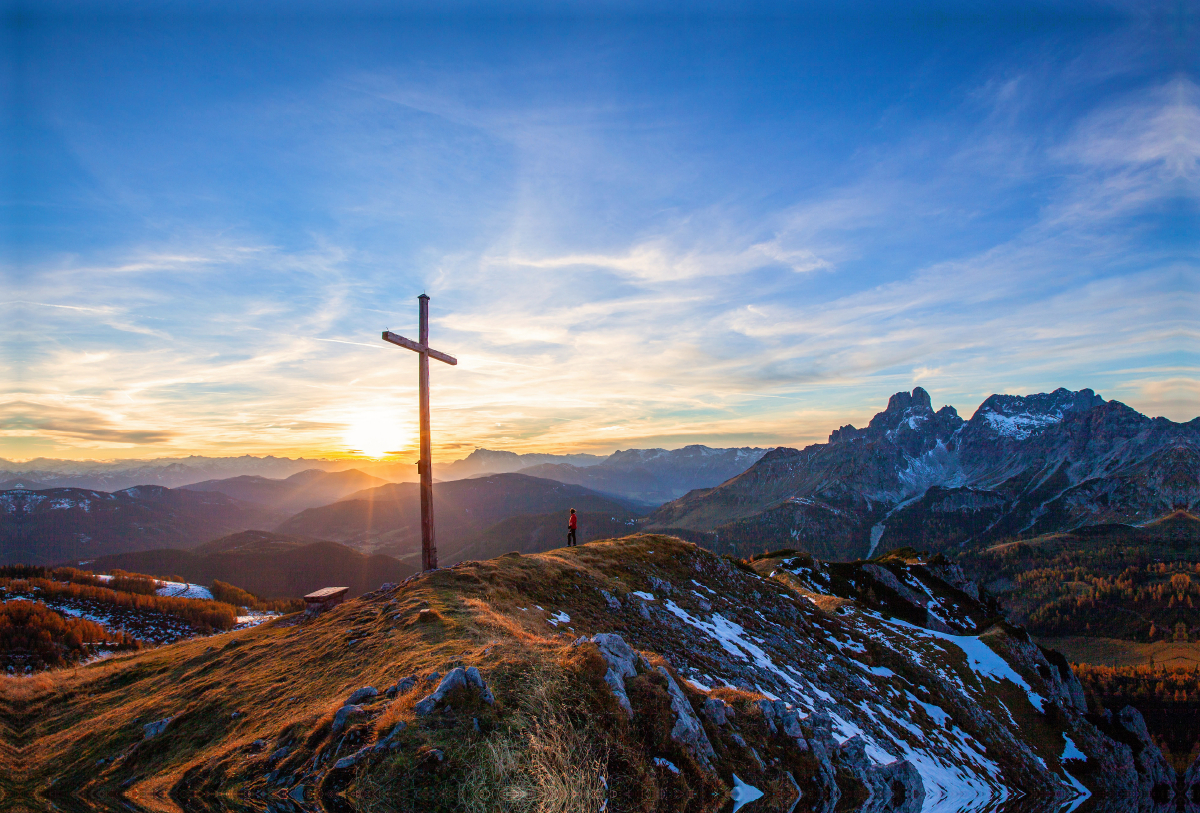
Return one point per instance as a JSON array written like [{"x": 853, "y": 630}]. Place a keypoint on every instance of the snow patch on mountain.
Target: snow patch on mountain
[{"x": 1022, "y": 426}]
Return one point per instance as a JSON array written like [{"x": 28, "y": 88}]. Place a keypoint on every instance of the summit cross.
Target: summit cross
[{"x": 425, "y": 464}]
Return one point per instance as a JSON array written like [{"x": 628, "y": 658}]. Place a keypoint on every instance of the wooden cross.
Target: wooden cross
[{"x": 424, "y": 465}]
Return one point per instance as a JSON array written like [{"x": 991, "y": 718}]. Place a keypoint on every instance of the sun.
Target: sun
[{"x": 378, "y": 434}]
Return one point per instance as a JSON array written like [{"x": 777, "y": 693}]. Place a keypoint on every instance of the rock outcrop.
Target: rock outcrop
[{"x": 457, "y": 678}]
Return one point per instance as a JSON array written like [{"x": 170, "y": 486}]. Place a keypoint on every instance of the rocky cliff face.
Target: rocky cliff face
[
  {"x": 638, "y": 674},
  {"x": 915, "y": 476}
]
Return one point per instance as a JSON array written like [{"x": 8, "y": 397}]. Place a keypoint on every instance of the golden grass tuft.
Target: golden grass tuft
[
  {"x": 487, "y": 615},
  {"x": 734, "y": 696},
  {"x": 553, "y": 768}
]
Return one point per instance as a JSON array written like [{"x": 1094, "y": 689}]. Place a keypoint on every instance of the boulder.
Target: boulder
[
  {"x": 456, "y": 678},
  {"x": 352, "y": 760},
  {"x": 621, "y": 661},
  {"x": 475, "y": 679},
  {"x": 687, "y": 730},
  {"x": 905, "y": 788},
  {"x": 717, "y": 711},
  {"x": 362, "y": 695},
  {"x": 662, "y": 585},
  {"x": 343, "y": 715},
  {"x": 892, "y": 788},
  {"x": 388, "y": 742},
  {"x": 782, "y": 718},
  {"x": 1155, "y": 775},
  {"x": 152, "y": 730}
]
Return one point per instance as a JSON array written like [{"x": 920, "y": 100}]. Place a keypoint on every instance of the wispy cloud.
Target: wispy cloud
[{"x": 599, "y": 301}]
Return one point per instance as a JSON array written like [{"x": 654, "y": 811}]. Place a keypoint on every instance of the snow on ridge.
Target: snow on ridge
[
  {"x": 184, "y": 590},
  {"x": 1023, "y": 424}
]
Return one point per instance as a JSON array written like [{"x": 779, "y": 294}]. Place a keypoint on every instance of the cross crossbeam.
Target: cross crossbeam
[
  {"x": 425, "y": 464},
  {"x": 388, "y": 336}
]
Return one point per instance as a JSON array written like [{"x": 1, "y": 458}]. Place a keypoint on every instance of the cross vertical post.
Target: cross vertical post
[{"x": 425, "y": 464}]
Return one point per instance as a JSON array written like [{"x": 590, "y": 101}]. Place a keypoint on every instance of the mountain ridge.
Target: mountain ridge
[
  {"x": 386, "y": 519},
  {"x": 1021, "y": 464},
  {"x": 266, "y": 564},
  {"x": 60, "y": 524}
]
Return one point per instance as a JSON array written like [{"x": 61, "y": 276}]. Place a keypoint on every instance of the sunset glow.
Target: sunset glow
[{"x": 633, "y": 235}]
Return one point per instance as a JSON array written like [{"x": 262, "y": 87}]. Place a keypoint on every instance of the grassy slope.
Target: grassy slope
[{"x": 284, "y": 680}]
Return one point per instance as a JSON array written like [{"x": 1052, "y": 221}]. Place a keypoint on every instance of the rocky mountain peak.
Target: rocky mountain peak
[
  {"x": 1021, "y": 416},
  {"x": 903, "y": 400},
  {"x": 909, "y": 420}
]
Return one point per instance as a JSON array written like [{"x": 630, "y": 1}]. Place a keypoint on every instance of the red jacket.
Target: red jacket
[{"x": 572, "y": 522}]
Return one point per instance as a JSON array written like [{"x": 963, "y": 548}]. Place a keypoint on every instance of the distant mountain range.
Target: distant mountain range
[
  {"x": 654, "y": 476},
  {"x": 305, "y": 489},
  {"x": 1021, "y": 465},
  {"x": 491, "y": 461},
  {"x": 266, "y": 564},
  {"x": 45, "y": 524},
  {"x": 61, "y": 524},
  {"x": 649, "y": 475},
  {"x": 114, "y": 475},
  {"x": 387, "y": 519}
]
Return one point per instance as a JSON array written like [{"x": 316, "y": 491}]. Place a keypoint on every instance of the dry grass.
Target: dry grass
[
  {"x": 548, "y": 765},
  {"x": 545, "y": 746},
  {"x": 537, "y": 757},
  {"x": 523, "y": 630},
  {"x": 736, "y": 697}
]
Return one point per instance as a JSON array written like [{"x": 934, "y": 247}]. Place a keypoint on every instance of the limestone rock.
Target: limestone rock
[
  {"x": 717, "y": 711},
  {"x": 621, "y": 661},
  {"x": 456, "y": 678},
  {"x": 687, "y": 730},
  {"x": 152, "y": 730},
  {"x": 1190, "y": 788},
  {"x": 352, "y": 760},
  {"x": 475, "y": 679},
  {"x": 662, "y": 585},
  {"x": 362, "y": 695},
  {"x": 1156, "y": 776},
  {"x": 343, "y": 715}
]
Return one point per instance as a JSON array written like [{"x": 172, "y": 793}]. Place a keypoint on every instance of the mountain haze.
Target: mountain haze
[
  {"x": 654, "y": 475},
  {"x": 305, "y": 489},
  {"x": 387, "y": 519}
]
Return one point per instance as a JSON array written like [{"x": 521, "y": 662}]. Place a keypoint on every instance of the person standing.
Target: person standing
[{"x": 572, "y": 523}]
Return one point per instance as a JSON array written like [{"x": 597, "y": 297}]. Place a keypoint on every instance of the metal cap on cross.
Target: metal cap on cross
[{"x": 425, "y": 464}]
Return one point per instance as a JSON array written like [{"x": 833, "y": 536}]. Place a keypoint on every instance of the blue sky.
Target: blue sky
[{"x": 732, "y": 229}]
